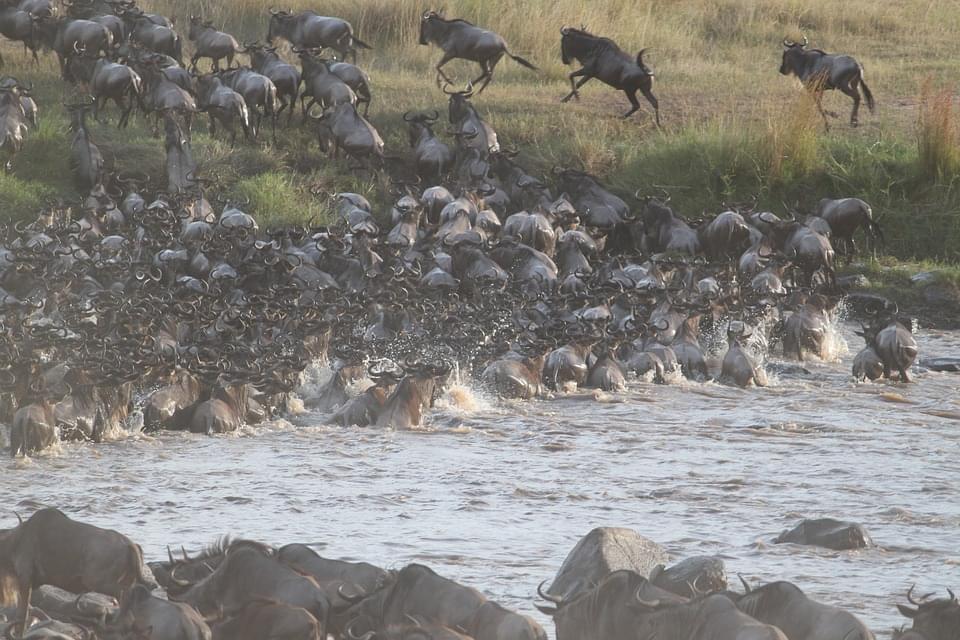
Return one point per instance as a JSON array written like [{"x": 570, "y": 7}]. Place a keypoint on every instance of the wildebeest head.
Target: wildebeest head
[
  {"x": 936, "y": 619},
  {"x": 429, "y": 23},
  {"x": 792, "y": 61},
  {"x": 459, "y": 104},
  {"x": 281, "y": 23}
]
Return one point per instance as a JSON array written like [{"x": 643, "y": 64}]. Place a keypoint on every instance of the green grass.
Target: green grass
[{"x": 733, "y": 127}]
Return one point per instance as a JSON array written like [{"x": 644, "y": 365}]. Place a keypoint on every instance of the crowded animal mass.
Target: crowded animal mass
[{"x": 157, "y": 304}]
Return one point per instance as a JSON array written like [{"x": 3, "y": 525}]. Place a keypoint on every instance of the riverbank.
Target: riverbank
[{"x": 734, "y": 129}]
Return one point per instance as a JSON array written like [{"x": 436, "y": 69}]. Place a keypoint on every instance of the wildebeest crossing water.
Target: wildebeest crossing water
[{"x": 495, "y": 493}]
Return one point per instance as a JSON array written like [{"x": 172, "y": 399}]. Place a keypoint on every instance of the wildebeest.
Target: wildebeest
[
  {"x": 603, "y": 59},
  {"x": 86, "y": 161},
  {"x": 475, "y": 132},
  {"x": 19, "y": 25},
  {"x": 461, "y": 39},
  {"x": 610, "y": 610},
  {"x": 107, "y": 81},
  {"x": 65, "y": 36},
  {"x": 712, "y": 618},
  {"x": 307, "y": 30},
  {"x": 415, "y": 393},
  {"x": 845, "y": 216},
  {"x": 159, "y": 38},
  {"x": 739, "y": 365},
  {"x": 180, "y": 166},
  {"x": 322, "y": 86},
  {"x": 262, "y": 619},
  {"x": 785, "y": 606},
  {"x": 13, "y": 123},
  {"x": 251, "y": 572},
  {"x": 223, "y": 105},
  {"x": 420, "y": 593},
  {"x": 433, "y": 157},
  {"x": 894, "y": 344},
  {"x": 155, "y": 618},
  {"x": 285, "y": 77},
  {"x": 50, "y": 548},
  {"x": 258, "y": 92},
  {"x": 348, "y": 130},
  {"x": 821, "y": 71},
  {"x": 211, "y": 43},
  {"x": 937, "y": 619}
]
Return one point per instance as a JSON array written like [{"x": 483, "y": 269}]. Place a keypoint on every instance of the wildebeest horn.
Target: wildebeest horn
[
  {"x": 952, "y": 596},
  {"x": 413, "y": 620},
  {"x": 788, "y": 43},
  {"x": 746, "y": 586},
  {"x": 183, "y": 550},
  {"x": 351, "y": 597},
  {"x": 369, "y": 635},
  {"x": 449, "y": 93},
  {"x": 170, "y": 555},
  {"x": 407, "y": 118},
  {"x": 19, "y": 519},
  {"x": 652, "y": 604},
  {"x": 546, "y": 596},
  {"x": 805, "y": 41},
  {"x": 177, "y": 581}
]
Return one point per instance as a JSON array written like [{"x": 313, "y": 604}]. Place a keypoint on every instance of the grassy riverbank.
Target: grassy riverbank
[{"x": 733, "y": 127}]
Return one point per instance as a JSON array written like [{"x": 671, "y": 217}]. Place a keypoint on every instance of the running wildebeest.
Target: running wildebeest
[
  {"x": 604, "y": 60},
  {"x": 821, "y": 71},
  {"x": 307, "y": 30},
  {"x": 461, "y": 39}
]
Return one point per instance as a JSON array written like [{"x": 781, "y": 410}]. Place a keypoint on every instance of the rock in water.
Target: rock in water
[
  {"x": 704, "y": 574},
  {"x": 828, "y": 533},
  {"x": 603, "y": 551}
]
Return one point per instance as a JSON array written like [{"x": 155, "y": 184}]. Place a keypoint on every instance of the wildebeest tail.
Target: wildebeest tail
[
  {"x": 523, "y": 61},
  {"x": 142, "y": 573},
  {"x": 360, "y": 43},
  {"x": 868, "y": 96},
  {"x": 244, "y": 115},
  {"x": 273, "y": 101}
]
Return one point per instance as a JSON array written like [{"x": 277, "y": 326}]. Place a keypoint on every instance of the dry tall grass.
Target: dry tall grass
[{"x": 938, "y": 133}]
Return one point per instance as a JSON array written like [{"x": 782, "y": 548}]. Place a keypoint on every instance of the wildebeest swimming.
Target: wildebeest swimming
[{"x": 90, "y": 582}]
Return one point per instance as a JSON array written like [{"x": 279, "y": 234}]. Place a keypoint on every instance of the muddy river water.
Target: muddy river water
[{"x": 496, "y": 493}]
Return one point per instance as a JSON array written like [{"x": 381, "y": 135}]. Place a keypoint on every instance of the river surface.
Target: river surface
[{"x": 496, "y": 493}]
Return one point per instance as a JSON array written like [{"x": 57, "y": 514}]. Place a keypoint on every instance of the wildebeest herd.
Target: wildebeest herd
[
  {"x": 72, "y": 580},
  {"x": 169, "y": 302}
]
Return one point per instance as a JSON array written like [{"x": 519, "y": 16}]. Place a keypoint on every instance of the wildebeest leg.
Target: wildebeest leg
[
  {"x": 652, "y": 99},
  {"x": 818, "y": 98},
  {"x": 632, "y": 97},
  {"x": 213, "y": 126},
  {"x": 194, "y": 60},
  {"x": 23, "y": 608},
  {"x": 904, "y": 376},
  {"x": 486, "y": 76},
  {"x": 852, "y": 91},
  {"x": 447, "y": 57},
  {"x": 574, "y": 86}
]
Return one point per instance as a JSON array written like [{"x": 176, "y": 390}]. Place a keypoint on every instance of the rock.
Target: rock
[
  {"x": 867, "y": 303},
  {"x": 924, "y": 277},
  {"x": 945, "y": 363},
  {"x": 64, "y": 605},
  {"x": 828, "y": 533},
  {"x": 603, "y": 551},
  {"x": 706, "y": 574},
  {"x": 855, "y": 281},
  {"x": 942, "y": 294}
]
